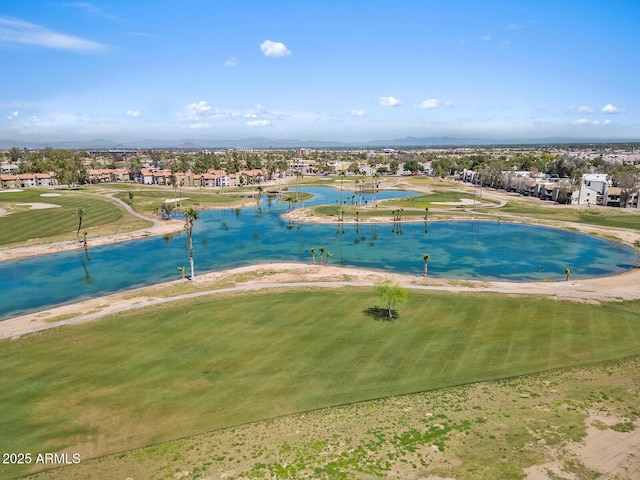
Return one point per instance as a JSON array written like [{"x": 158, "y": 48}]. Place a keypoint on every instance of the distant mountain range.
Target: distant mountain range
[{"x": 266, "y": 143}]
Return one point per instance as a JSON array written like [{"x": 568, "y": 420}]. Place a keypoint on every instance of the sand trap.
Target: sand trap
[
  {"x": 11, "y": 190},
  {"x": 174, "y": 200},
  {"x": 462, "y": 201},
  {"x": 38, "y": 205},
  {"x": 50, "y": 194}
]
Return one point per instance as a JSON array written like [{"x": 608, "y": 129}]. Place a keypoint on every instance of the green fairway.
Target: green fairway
[
  {"x": 147, "y": 200},
  {"x": 193, "y": 366},
  {"x": 599, "y": 216},
  {"x": 24, "y": 224},
  {"x": 435, "y": 199}
]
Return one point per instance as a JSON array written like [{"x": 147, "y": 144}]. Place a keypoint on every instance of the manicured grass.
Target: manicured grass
[
  {"x": 432, "y": 200},
  {"x": 25, "y": 224},
  {"x": 599, "y": 216},
  {"x": 172, "y": 371},
  {"x": 148, "y": 200}
]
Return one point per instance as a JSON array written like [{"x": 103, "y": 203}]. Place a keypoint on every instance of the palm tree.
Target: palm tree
[
  {"x": 426, "y": 258},
  {"x": 321, "y": 250},
  {"x": 313, "y": 256},
  {"x": 567, "y": 272},
  {"x": 80, "y": 212},
  {"x": 190, "y": 216},
  {"x": 329, "y": 255},
  {"x": 374, "y": 177},
  {"x": 342, "y": 174}
]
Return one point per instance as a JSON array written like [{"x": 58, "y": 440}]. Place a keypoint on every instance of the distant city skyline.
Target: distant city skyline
[{"x": 328, "y": 71}]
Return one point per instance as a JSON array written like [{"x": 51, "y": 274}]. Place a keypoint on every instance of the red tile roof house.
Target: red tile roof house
[
  {"x": 207, "y": 179},
  {"x": 159, "y": 178},
  {"x": 8, "y": 181},
  {"x": 26, "y": 180},
  {"x": 121, "y": 175},
  {"x": 44, "y": 179},
  {"x": 98, "y": 176},
  {"x": 146, "y": 176}
]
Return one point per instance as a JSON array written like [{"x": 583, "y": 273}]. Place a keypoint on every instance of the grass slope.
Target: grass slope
[{"x": 173, "y": 371}]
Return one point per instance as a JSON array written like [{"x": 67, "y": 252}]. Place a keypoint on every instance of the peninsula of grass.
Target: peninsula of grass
[
  {"x": 172, "y": 371},
  {"x": 23, "y": 224}
]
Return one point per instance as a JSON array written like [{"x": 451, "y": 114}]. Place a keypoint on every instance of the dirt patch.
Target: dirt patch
[{"x": 50, "y": 194}]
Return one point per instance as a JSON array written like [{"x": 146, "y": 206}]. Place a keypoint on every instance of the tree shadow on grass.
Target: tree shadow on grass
[{"x": 381, "y": 314}]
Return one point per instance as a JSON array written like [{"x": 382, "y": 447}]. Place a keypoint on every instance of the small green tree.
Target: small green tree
[
  {"x": 167, "y": 208},
  {"x": 391, "y": 294},
  {"x": 313, "y": 256},
  {"x": 567, "y": 273}
]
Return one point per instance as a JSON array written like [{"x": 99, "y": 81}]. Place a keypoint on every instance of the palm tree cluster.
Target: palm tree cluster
[{"x": 321, "y": 252}]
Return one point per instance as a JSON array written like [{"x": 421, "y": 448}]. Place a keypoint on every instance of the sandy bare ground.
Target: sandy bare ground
[{"x": 613, "y": 454}]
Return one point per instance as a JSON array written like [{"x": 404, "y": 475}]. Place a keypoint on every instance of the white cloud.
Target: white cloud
[
  {"x": 92, "y": 10},
  {"x": 514, "y": 26},
  {"x": 580, "y": 109},
  {"x": 259, "y": 123},
  {"x": 448, "y": 104},
  {"x": 17, "y": 31},
  {"x": 607, "y": 122},
  {"x": 585, "y": 122},
  {"x": 428, "y": 104},
  {"x": 389, "y": 102},
  {"x": 541, "y": 121},
  {"x": 231, "y": 62},
  {"x": 505, "y": 43},
  {"x": 198, "y": 110},
  {"x": 13, "y": 115},
  {"x": 199, "y": 126},
  {"x": 274, "y": 49},
  {"x": 608, "y": 108},
  {"x": 486, "y": 38},
  {"x": 358, "y": 113},
  {"x": 134, "y": 113}
]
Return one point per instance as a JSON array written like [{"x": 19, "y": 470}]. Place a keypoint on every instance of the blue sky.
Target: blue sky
[{"x": 333, "y": 70}]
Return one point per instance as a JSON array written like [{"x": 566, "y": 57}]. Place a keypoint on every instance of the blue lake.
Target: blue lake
[{"x": 259, "y": 234}]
